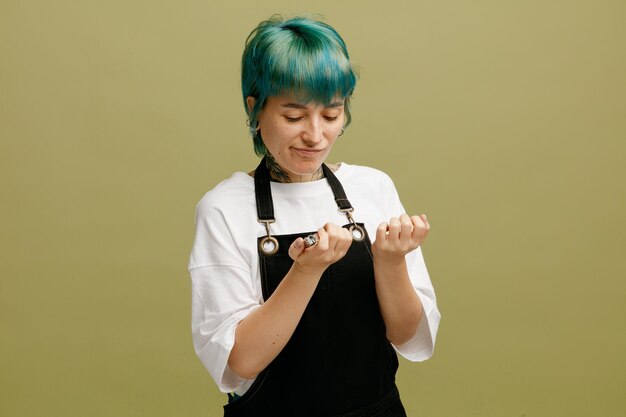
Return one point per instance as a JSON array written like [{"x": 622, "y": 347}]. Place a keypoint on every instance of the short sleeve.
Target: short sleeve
[
  {"x": 216, "y": 310},
  {"x": 222, "y": 292},
  {"x": 421, "y": 346}
]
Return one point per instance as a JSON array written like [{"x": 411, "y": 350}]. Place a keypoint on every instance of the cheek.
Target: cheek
[
  {"x": 276, "y": 136},
  {"x": 333, "y": 131},
  {"x": 283, "y": 131}
]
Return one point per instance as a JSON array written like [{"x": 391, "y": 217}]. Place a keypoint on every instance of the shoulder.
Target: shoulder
[
  {"x": 224, "y": 217},
  {"x": 230, "y": 193},
  {"x": 364, "y": 176}
]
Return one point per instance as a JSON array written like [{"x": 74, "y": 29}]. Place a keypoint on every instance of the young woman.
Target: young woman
[{"x": 306, "y": 277}]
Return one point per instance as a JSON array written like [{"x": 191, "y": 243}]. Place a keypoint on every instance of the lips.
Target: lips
[{"x": 307, "y": 153}]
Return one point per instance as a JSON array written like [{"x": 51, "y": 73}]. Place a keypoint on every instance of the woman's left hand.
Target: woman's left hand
[{"x": 399, "y": 236}]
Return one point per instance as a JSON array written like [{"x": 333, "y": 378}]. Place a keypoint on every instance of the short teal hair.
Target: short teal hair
[{"x": 300, "y": 55}]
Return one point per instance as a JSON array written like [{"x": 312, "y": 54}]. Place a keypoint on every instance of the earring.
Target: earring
[
  {"x": 342, "y": 130},
  {"x": 248, "y": 122}
]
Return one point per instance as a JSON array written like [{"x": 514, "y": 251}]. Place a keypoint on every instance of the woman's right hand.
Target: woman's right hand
[
  {"x": 333, "y": 244},
  {"x": 263, "y": 333}
]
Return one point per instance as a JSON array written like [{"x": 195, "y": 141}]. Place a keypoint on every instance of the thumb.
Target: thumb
[{"x": 296, "y": 248}]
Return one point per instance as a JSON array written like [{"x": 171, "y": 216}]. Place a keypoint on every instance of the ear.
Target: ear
[{"x": 250, "y": 101}]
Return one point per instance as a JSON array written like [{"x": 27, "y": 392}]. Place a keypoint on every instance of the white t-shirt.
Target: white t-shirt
[{"x": 224, "y": 263}]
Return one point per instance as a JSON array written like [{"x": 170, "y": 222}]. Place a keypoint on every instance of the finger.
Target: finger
[
  {"x": 296, "y": 248},
  {"x": 406, "y": 227},
  {"x": 394, "y": 228},
  {"x": 331, "y": 228},
  {"x": 341, "y": 239},
  {"x": 333, "y": 233},
  {"x": 425, "y": 220},
  {"x": 322, "y": 244},
  {"x": 344, "y": 242},
  {"x": 381, "y": 232},
  {"x": 419, "y": 228}
]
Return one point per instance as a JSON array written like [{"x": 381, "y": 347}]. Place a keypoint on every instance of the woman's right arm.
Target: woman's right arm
[{"x": 263, "y": 333}]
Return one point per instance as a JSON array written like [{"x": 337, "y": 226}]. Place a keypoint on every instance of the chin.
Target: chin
[{"x": 308, "y": 168}]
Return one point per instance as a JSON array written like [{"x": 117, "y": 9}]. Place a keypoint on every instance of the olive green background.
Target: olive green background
[{"x": 504, "y": 121}]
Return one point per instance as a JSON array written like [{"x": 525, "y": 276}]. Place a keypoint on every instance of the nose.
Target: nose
[{"x": 313, "y": 131}]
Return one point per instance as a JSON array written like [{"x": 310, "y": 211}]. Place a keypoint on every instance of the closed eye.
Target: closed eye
[{"x": 297, "y": 119}]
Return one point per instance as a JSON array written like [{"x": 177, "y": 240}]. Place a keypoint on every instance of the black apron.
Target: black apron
[{"x": 338, "y": 362}]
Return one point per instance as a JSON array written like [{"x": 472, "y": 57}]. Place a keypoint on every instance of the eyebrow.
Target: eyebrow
[{"x": 302, "y": 106}]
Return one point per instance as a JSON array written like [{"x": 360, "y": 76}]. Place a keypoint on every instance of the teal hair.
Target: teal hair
[{"x": 301, "y": 56}]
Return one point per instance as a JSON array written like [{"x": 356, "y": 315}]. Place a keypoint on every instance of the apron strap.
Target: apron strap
[
  {"x": 263, "y": 193},
  {"x": 265, "y": 207},
  {"x": 340, "y": 195},
  {"x": 358, "y": 234}
]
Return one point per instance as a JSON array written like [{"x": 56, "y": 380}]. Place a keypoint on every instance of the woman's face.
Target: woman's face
[{"x": 299, "y": 136}]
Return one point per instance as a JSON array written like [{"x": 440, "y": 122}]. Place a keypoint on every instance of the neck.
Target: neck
[{"x": 278, "y": 174}]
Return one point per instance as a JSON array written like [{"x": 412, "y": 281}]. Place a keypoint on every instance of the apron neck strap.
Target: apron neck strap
[
  {"x": 340, "y": 195},
  {"x": 263, "y": 193}
]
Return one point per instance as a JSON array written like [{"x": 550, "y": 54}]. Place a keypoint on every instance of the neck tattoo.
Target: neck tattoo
[{"x": 278, "y": 174}]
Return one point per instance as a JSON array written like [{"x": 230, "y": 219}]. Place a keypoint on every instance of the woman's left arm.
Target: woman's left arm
[{"x": 399, "y": 304}]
